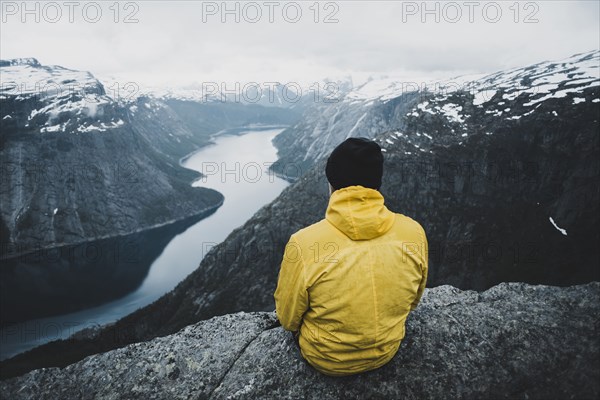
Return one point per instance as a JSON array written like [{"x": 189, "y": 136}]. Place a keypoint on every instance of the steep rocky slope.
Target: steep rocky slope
[
  {"x": 327, "y": 123},
  {"x": 512, "y": 341}
]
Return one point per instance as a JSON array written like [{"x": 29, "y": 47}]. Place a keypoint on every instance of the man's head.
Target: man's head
[{"x": 356, "y": 161}]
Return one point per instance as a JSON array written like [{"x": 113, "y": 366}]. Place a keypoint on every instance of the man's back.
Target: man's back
[{"x": 349, "y": 281}]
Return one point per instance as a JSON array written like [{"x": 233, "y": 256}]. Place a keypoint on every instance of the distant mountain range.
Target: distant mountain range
[{"x": 291, "y": 95}]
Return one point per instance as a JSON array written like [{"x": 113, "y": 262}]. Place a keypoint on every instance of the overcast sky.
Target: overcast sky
[{"x": 175, "y": 43}]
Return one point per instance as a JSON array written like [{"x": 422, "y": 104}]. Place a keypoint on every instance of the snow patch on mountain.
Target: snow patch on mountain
[
  {"x": 26, "y": 77},
  {"x": 542, "y": 81},
  {"x": 452, "y": 112},
  {"x": 382, "y": 90},
  {"x": 58, "y": 99},
  {"x": 484, "y": 96},
  {"x": 561, "y": 230}
]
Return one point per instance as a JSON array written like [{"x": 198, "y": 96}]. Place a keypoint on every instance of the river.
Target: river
[{"x": 235, "y": 165}]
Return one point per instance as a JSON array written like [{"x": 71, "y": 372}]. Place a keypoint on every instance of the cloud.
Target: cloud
[{"x": 172, "y": 45}]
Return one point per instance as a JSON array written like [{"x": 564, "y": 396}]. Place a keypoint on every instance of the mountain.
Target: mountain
[
  {"x": 74, "y": 159},
  {"x": 443, "y": 110},
  {"x": 86, "y": 175},
  {"x": 292, "y": 96},
  {"x": 512, "y": 341},
  {"x": 503, "y": 194}
]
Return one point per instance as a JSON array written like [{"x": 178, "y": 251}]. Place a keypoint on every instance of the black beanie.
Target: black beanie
[{"x": 356, "y": 161}]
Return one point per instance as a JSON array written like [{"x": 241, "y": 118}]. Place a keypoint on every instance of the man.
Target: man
[{"x": 348, "y": 282}]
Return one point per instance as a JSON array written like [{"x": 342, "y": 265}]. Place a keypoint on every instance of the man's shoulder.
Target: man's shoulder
[
  {"x": 405, "y": 223},
  {"x": 311, "y": 232}
]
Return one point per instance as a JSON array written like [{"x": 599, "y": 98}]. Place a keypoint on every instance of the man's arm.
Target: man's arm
[
  {"x": 291, "y": 297},
  {"x": 424, "y": 270}
]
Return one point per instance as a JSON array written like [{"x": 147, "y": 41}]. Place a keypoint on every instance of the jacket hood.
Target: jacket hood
[{"x": 359, "y": 213}]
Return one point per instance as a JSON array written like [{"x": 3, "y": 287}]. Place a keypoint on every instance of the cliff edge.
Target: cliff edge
[{"x": 512, "y": 341}]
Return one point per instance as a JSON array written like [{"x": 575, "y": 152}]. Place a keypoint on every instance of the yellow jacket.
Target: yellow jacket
[{"x": 348, "y": 282}]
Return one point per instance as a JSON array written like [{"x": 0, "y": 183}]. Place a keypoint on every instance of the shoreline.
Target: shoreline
[
  {"x": 13, "y": 256},
  {"x": 116, "y": 236},
  {"x": 235, "y": 131}
]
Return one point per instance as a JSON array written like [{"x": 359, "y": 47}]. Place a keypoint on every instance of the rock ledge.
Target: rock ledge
[{"x": 511, "y": 341}]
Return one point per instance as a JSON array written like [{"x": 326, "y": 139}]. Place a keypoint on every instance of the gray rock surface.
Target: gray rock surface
[{"x": 511, "y": 341}]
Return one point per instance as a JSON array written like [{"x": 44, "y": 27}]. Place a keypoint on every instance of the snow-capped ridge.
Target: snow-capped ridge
[
  {"x": 60, "y": 99},
  {"x": 20, "y": 61},
  {"x": 27, "y": 78},
  {"x": 580, "y": 70}
]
